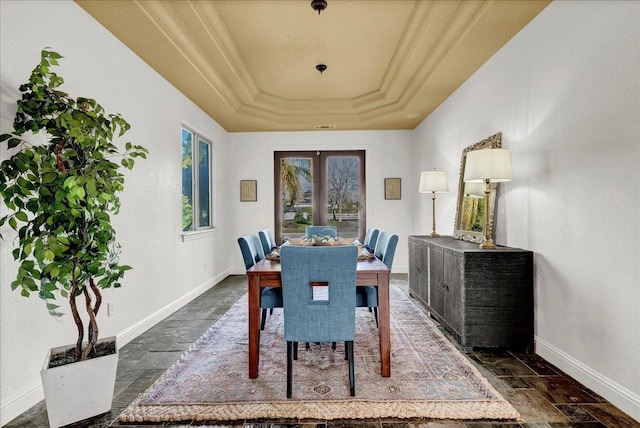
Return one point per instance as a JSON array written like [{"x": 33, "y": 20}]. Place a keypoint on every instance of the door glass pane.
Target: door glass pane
[
  {"x": 296, "y": 196},
  {"x": 187, "y": 180},
  {"x": 343, "y": 194},
  {"x": 204, "y": 204}
]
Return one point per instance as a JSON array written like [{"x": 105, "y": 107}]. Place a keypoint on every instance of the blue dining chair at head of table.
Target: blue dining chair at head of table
[
  {"x": 367, "y": 296},
  {"x": 329, "y": 320},
  {"x": 252, "y": 252}
]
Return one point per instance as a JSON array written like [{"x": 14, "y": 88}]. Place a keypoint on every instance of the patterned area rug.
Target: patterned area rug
[{"x": 429, "y": 376}]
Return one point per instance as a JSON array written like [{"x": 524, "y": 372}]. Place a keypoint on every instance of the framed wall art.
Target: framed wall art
[
  {"x": 248, "y": 190},
  {"x": 392, "y": 188}
]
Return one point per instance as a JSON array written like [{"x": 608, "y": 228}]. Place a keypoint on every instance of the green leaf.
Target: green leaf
[
  {"x": 54, "y": 272},
  {"x": 49, "y": 177},
  {"x": 22, "y": 216}
]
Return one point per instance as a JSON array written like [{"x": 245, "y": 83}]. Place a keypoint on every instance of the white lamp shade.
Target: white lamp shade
[
  {"x": 474, "y": 189},
  {"x": 488, "y": 164},
  {"x": 433, "y": 181}
]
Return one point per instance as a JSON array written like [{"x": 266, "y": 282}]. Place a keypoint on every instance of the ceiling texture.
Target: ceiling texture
[{"x": 251, "y": 64}]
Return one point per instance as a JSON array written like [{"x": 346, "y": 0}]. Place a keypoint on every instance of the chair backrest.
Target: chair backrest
[
  {"x": 386, "y": 247},
  {"x": 308, "y": 320},
  {"x": 267, "y": 241},
  {"x": 331, "y": 231},
  {"x": 258, "y": 246},
  {"x": 251, "y": 249},
  {"x": 248, "y": 250},
  {"x": 371, "y": 237}
]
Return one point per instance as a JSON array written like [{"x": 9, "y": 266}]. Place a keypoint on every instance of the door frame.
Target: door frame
[{"x": 319, "y": 198}]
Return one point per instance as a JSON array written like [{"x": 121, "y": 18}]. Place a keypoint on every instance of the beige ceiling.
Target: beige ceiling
[{"x": 250, "y": 65}]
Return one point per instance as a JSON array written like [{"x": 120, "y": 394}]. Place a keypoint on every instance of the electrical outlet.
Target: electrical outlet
[{"x": 110, "y": 309}]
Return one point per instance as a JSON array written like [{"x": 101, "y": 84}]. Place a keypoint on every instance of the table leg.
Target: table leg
[
  {"x": 384, "y": 324},
  {"x": 254, "y": 325}
]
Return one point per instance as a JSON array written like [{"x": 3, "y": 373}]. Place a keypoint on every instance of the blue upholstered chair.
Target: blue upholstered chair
[
  {"x": 309, "y": 320},
  {"x": 370, "y": 239},
  {"x": 331, "y": 231},
  {"x": 270, "y": 297},
  {"x": 367, "y": 296},
  {"x": 267, "y": 241}
]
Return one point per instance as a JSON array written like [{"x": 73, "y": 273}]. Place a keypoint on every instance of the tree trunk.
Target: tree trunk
[
  {"x": 76, "y": 318},
  {"x": 93, "y": 326}
]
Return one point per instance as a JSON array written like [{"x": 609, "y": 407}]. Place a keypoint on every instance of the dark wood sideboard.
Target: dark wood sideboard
[{"x": 484, "y": 298}]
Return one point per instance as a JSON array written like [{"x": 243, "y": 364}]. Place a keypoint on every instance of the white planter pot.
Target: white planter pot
[{"x": 78, "y": 391}]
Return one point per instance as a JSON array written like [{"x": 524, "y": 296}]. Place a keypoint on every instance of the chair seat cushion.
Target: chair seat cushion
[
  {"x": 271, "y": 297},
  {"x": 366, "y": 297}
]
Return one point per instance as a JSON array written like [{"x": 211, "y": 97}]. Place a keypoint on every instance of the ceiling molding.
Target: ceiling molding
[{"x": 250, "y": 64}]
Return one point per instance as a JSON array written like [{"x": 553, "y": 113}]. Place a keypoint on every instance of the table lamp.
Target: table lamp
[
  {"x": 487, "y": 166},
  {"x": 434, "y": 182}
]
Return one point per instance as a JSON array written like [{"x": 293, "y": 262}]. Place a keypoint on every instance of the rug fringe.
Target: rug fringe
[{"x": 321, "y": 410}]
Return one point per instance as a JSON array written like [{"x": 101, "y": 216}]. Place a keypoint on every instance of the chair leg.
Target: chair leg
[
  {"x": 290, "y": 350},
  {"x": 271, "y": 311},
  {"x": 375, "y": 314},
  {"x": 333, "y": 346},
  {"x": 295, "y": 350},
  {"x": 306, "y": 346},
  {"x": 352, "y": 378},
  {"x": 264, "y": 319}
]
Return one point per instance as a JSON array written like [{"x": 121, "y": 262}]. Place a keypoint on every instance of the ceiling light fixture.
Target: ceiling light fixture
[
  {"x": 321, "y": 68},
  {"x": 318, "y": 5}
]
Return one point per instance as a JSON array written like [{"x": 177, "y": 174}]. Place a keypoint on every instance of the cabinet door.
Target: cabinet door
[
  {"x": 414, "y": 269},
  {"x": 436, "y": 277},
  {"x": 424, "y": 272},
  {"x": 453, "y": 283}
]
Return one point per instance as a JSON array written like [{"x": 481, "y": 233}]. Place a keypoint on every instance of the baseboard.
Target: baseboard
[
  {"x": 137, "y": 329},
  {"x": 619, "y": 396},
  {"x": 17, "y": 404}
]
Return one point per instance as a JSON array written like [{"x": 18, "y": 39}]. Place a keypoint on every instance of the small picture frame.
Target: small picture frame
[
  {"x": 248, "y": 190},
  {"x": 392, "y": 188}
]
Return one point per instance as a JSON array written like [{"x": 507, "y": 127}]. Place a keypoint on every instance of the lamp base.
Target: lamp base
[
  {"x": 488, "y": 245},
  {"x": 434, "y": 235}
]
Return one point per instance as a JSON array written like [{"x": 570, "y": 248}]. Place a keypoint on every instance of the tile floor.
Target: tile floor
[{"x": 544, "y": 396}]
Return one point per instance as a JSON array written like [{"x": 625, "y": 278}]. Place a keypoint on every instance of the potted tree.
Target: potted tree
[{"x": 60, "y": 194}]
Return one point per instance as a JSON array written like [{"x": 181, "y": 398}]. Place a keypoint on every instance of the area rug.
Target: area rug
[{"x": 429, "y": 376}]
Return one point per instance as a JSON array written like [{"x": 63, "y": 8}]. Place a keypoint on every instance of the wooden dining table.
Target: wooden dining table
[{"x": 266, "y": 273}]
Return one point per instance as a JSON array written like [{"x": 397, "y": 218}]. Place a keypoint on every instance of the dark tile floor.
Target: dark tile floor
[{"x": 544, "y": 396}]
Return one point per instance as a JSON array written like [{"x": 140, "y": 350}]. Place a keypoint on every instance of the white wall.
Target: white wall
[
  {"x": 167, "y": 272},
  {"x": 387, "y": 155},
  {"x": 565, "y": 94}
]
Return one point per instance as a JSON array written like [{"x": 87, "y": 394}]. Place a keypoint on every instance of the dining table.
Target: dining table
[{"x": 267, "y": 273}]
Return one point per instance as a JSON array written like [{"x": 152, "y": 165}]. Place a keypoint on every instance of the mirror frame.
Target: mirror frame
[{"x": 493, "y": 142}]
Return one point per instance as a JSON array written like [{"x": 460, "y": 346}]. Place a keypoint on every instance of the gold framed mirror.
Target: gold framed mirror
[{"x": 469, "y": 224}]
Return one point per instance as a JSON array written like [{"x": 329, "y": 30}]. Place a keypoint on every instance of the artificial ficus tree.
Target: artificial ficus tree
[{"x": 61, "y": 196}]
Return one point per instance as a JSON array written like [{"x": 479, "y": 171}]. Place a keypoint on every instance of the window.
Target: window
[
  {"x": 319, "y": 188},
  {"x": 196, "y": 182}
]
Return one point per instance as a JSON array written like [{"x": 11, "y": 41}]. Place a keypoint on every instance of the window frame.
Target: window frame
[
  {"x": 320, "y": 197},
  {"x": 196, "y": 140}
]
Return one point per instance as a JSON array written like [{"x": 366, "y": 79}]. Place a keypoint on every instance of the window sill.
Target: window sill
[{"x": 198, "y": 234}]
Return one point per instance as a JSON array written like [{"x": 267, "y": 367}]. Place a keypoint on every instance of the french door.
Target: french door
[{"x": 319, "y": 188}]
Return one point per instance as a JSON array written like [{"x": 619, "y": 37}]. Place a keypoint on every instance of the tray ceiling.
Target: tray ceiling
[{"x": 250, "y": 65}]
